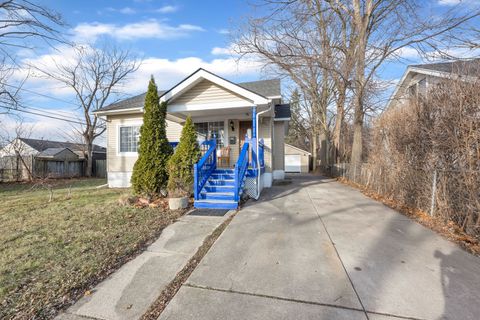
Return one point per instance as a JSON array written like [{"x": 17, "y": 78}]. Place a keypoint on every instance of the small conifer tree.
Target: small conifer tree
[
  {"x": 150, "y": 172},
  {"x": 180, "y": 182}
]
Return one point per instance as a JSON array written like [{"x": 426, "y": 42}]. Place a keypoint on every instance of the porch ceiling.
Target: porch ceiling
[{"x": 242, "y": 113}]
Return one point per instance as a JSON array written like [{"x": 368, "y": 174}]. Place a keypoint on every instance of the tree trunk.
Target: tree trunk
[
  {"x": 314, "y": 150},
  {"x": 89, "y": 168},
  {"x": 360, "y": 57},
  {"x": 338, "y": 130}
]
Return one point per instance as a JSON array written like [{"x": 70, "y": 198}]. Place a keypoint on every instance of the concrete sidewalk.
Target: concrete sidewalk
[
  {"x": 129, "y": 292},
  {"x": 317, "y": 249}
]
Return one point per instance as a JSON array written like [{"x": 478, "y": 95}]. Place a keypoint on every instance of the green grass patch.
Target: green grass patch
[{"x": 51, "y": 252}]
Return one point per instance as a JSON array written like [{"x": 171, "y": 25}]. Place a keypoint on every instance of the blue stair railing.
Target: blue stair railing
[
  {"x": 240, "y": 170},
  {"x": 261, "y": 153},
  {"x": 204, "y": 167}
]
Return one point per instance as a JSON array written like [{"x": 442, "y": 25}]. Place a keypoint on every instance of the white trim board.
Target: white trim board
[{"x": 202, "y": 74}]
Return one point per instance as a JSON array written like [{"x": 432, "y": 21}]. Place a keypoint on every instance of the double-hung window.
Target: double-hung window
[
  {"x": 206, "y": 131},
  {"x": 129, "y": 136}
]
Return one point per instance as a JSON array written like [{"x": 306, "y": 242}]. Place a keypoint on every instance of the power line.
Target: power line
[
  {"x": 47, "y": 112},
  {"x": 44, "y": 115},
  {"x": 40, "y": 94}
]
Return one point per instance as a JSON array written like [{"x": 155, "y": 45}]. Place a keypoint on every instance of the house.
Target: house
[
  {"x": 44, "y": 158},
  {"x": 419, "y": 79},
  {"x": 296, "y": 160},
  {"x": 245, "y": 123}
]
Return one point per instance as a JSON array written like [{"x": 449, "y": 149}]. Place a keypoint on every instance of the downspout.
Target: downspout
[{"x": 257, "y": 196}]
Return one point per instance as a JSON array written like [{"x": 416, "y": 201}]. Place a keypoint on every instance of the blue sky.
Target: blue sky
[{"x": 173, "y": 37}]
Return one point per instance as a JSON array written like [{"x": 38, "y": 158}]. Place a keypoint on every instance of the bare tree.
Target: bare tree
[
  {"x": 94, "y": 75},
  {"x": 288, "y": 41},
  {"x": 382, "y": 28},
  {"x": 22, "y": 22},
  {"x": 16, "y": 155}
]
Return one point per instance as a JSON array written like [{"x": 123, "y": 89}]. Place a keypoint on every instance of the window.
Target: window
[
  {"x": 206, "y": 130},
  {"x": 129, "y": 137}
]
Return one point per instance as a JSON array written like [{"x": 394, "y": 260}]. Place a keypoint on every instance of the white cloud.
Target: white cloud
[
  {"x": 221, "y": 51},
  {"x": 127, "y": 10},
  {"x": 408, "y": 53},
  {"x": 144, "y": 29},
  {"x": 448, "y": 2},
  {"x": 223, "y": 31},
  {"x": 168, "y": 72},
  {"x": 167, "y": 9}
]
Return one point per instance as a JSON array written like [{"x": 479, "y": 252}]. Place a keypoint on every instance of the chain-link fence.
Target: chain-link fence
[{"x": 453, "y": 195}]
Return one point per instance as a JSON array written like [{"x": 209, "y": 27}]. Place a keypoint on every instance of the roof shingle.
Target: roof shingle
[
  {"x": 266, "y": 88},
  {"x": 459, "y": 67}
]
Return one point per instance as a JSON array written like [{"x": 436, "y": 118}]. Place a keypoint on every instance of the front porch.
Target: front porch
[
  {"x": 233, "y": 159},
  {"x": 226, "y": 117}
]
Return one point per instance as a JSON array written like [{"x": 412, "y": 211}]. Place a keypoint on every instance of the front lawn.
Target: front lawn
[{"x": 52, "y": 252}]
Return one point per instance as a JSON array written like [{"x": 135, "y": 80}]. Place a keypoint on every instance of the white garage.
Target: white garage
[{"x": 296, "y": 159}]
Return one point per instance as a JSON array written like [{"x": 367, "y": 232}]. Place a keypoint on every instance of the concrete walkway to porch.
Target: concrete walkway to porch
[
  {"x": 316, "y": 249},
  {"x": 129, "y": 292}
]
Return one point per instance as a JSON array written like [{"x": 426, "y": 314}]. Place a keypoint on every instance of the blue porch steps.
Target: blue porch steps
[{"x": 219, "y": 191}]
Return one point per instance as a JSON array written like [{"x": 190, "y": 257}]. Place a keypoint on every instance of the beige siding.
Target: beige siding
[
  {"x": 304, "y": 157},
  {"x": 279, "y": 145},
  {"x": 124, "y": 163},
  {"x": 174, "y": 131},
  {"x": 207, "y": 92}
]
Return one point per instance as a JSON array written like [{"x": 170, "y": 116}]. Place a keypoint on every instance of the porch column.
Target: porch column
[{"x": 254, "y": 122}]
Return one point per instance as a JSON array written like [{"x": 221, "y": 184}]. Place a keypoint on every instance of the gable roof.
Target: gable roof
[
  {"x": 264, "y": 88},
  {"x": 133, "y": 102},
  {"x": 51, "y": 153},
  {"x": 41, "y": 145},
  {"x": 459, "y": 67}
]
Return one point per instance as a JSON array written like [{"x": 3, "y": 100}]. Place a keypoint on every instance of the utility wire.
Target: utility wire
[
  {"x": 44, "y": 115},
  {"x": 39, "y": 94}
]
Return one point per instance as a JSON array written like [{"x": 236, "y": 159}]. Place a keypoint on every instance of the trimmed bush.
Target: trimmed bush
[
  {"x": 180, "y": 165},
  {"x": 150, "y": 173}
]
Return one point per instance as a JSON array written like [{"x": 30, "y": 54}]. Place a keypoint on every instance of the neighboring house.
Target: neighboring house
[
  {"x": 44, "y": 158},
  {"x": 296, "y": 160},
  {"x": 419, "y": 79},
  {"x": 236, "y": 114}
]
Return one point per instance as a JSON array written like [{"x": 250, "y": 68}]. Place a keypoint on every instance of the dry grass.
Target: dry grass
[{"x": 51, "y": 253}]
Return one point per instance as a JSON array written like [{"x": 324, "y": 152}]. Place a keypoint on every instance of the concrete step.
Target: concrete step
[{"x": 215, "y": 204}]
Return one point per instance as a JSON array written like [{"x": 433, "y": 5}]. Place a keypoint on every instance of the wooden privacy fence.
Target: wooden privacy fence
[{"x": 13, "y": 168}]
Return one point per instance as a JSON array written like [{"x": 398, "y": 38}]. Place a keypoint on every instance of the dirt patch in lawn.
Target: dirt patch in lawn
[
  {"x": 169, "y": 292},
  {"x": 52, "y": 253},
  {"x": 447, "y": 229}
]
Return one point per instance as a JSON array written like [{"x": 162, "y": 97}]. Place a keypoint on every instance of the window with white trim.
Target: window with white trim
[
  {"x": 129, "y": 136},
  {"x": 206, "y": 130}
]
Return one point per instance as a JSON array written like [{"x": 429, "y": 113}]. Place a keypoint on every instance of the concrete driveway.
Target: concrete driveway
[{"x": 316, "y": 249}]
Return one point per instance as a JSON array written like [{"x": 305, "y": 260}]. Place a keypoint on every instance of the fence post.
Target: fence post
[{"x": 434, "y": 193}]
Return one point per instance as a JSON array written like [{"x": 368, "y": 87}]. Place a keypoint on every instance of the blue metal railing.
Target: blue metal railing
[
  {"x": 204, "y": 167},
  {"x": 241, "y": 169},
  {"x": 261, "y": 153}
]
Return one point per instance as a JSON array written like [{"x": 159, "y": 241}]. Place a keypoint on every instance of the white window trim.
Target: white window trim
[{"x": 126, "y": 124}]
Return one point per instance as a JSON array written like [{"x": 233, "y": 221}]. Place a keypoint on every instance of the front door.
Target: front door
[{"x": 245, "y": 130}]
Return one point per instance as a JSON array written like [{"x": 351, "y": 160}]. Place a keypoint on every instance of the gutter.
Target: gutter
[{"x": 258, "y": 154}]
